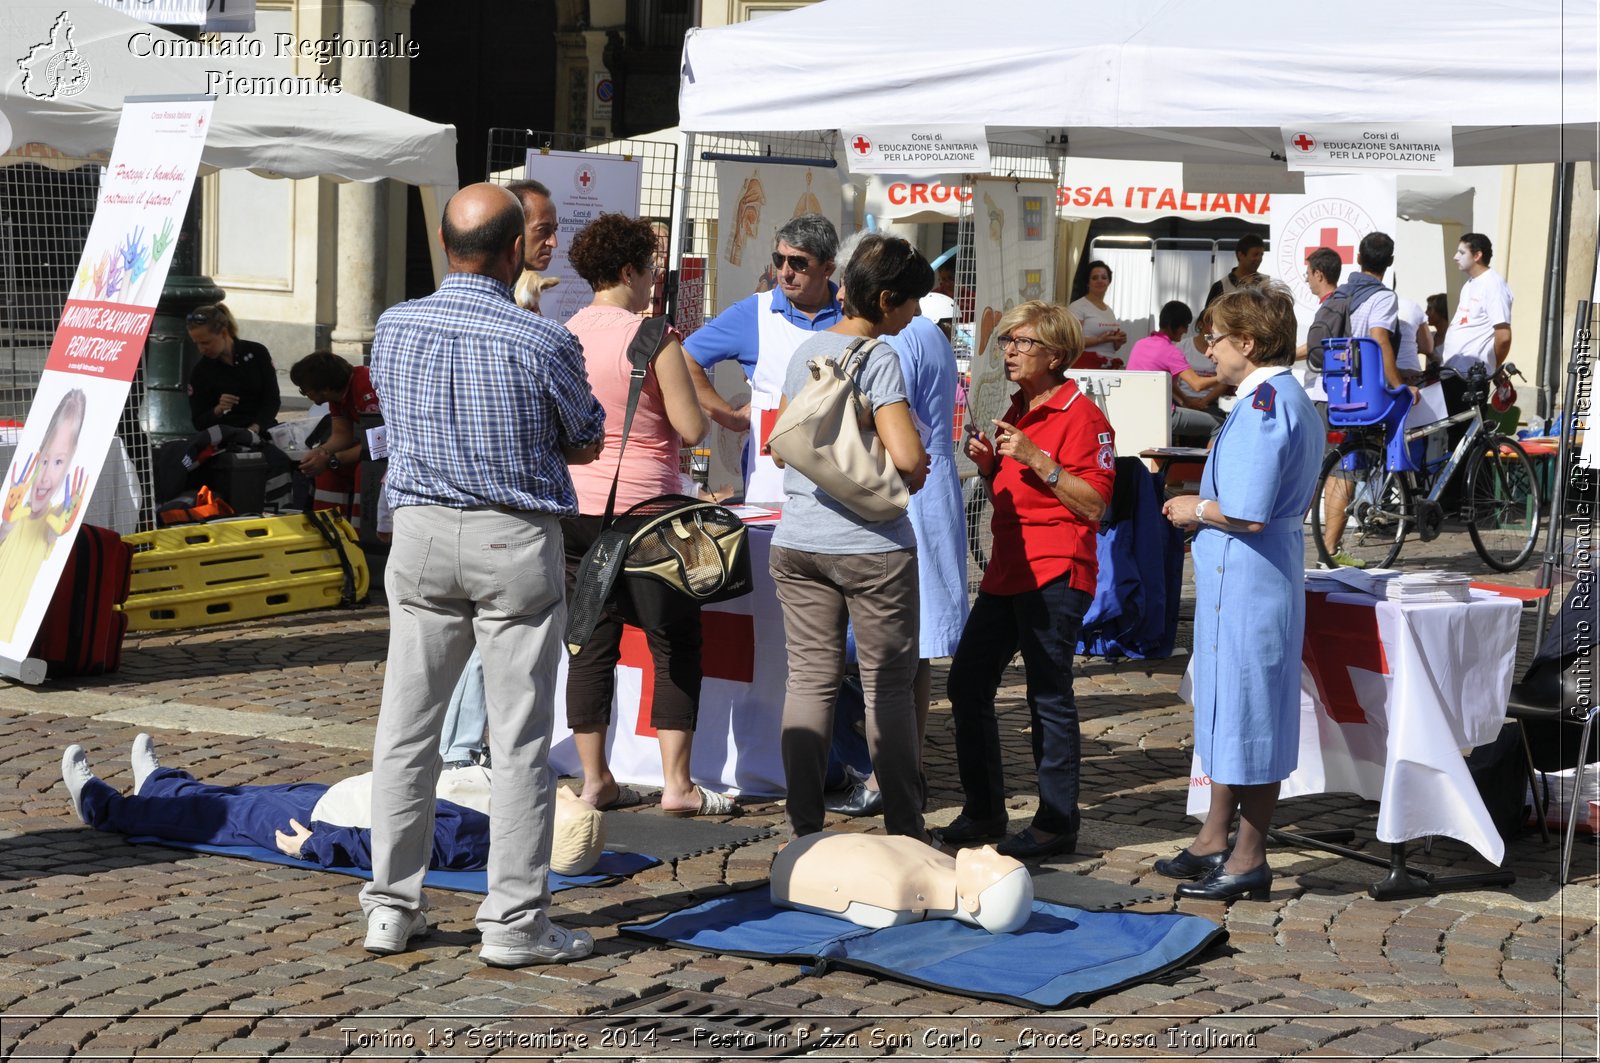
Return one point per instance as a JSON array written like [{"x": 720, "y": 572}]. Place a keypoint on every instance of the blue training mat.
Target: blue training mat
[
  {"x": 610, "y": 866},
  {"x": 1062, "y": 957}
]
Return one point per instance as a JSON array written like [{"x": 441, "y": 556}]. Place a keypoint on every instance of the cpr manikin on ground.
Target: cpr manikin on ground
[{"x": 879, "y": 881}]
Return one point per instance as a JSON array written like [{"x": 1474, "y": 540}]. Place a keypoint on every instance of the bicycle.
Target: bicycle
[{"x": 1393, "y": 489}]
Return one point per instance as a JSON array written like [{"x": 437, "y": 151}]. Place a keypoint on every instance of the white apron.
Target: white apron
[{"x": 777, "y": 341}]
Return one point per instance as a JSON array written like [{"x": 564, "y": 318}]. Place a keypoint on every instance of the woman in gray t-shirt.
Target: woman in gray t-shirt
[{"x": 832, "y": 565}]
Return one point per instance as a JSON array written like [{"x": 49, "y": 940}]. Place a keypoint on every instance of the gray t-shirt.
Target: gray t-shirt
[{"x": 812, "y": 520}]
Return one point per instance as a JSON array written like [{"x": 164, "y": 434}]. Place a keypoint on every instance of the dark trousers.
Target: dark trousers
[
  {"x": 675, "y": 650},
  {"x": 1044, "y": 625},
  {"x": 175, "y": 806}
]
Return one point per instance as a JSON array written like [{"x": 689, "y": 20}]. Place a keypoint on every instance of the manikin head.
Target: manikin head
[{"x": 992, "y": 891}]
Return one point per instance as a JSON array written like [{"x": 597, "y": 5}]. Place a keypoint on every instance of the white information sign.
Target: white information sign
[
  {"x": 918, "y": 150},
  {"x": 94, "y": 355},
  {"x": 583, "y": 186},
  {"x": 1411, "y": 147},
  {"x": 162, "y": 12}
]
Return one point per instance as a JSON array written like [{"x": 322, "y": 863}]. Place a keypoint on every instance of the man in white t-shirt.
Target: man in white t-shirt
[{"x": 1480, "y": 331}]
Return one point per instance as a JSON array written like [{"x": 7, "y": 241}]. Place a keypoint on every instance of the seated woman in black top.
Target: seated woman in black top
[
  {"x": 233, "y": 400},
  {"x": 234, "y": 384}
]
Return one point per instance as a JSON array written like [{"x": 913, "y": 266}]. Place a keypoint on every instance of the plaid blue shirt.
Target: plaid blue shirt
[{"x": 479, "y": 397}]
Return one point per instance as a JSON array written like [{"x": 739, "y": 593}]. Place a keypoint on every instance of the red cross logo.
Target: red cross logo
[
  {"x": 585, "y": 178},
  {"x": 861, "y": 144},
  {"x": 1339, "y": 637},
  {"x": 1303, "y": 142},
  {"x": 1329, "y": 238},
  {"x": 728, "y": 652}
]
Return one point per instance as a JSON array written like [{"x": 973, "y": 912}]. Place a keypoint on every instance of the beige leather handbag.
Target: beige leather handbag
[{"x": 826, "y": 432}]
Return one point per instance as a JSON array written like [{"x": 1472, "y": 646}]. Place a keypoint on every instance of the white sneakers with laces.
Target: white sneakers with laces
[
  {"x": 390, "y": 930},
  {"x": 555, "y": 945}
]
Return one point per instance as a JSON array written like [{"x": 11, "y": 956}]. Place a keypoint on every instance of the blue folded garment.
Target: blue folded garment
[
  {"x": 610, "y": 866},
  {"x": 1062, "y": 956}
]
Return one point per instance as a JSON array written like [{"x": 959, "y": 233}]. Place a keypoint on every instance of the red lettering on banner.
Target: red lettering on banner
[
  {"x": 1167, "y": 201},
  {"x": 98, "y": 339},
  {"x": 1341, "y": 636},
  {"x": 1184, "y": 204},
  {"x": 897, "y": 194},
  {"x": 919, "y": 194},
  {"x": 728, "y": 652},
  {"x": 1244, "y": 203},
  {"x": 1103, "y": 198}
]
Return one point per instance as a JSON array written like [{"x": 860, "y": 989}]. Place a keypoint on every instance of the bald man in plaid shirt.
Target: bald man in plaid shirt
[{"x": 486, "y": 404}]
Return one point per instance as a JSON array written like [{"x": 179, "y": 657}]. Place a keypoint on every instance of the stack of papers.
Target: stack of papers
[
  {"x": 1392, "y": 585},
  {"x": 1434, "y": 586}
]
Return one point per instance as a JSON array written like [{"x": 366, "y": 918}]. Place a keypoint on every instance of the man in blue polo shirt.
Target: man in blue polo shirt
[{"x": 761, "y": 331}]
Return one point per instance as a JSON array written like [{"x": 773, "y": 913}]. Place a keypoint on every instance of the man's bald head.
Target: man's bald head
[{"x": 483, "y": 226}]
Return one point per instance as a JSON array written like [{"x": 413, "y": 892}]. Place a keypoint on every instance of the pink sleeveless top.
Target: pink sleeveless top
[{"x": 650, "y": 467}]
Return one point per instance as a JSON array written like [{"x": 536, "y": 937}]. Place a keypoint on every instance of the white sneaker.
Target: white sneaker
[
  {"x": 556, "y": 946},
  {"x": 390, "y": 930},
  {"x": 144, "y": 760},
  {"x": 76, "y": 774}
]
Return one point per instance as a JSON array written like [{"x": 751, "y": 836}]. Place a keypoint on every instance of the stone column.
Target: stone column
[{"x": 362, "y": 254}]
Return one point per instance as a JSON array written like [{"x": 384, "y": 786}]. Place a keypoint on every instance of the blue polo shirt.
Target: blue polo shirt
[{"x": 733, "y": 333}]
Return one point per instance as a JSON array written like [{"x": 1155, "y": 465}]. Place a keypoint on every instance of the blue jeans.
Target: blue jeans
[
  {"x": 1044, "y": 625},
  {"x": 467, "y": 715}
]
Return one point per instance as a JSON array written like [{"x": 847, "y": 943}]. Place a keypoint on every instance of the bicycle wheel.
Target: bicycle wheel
[
  {"x": 1502, "y": 504},
  {"x": 1376, "y": 514}
]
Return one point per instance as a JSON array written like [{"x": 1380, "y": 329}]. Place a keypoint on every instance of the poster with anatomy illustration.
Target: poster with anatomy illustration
[
  {"x": 57, "y": 455},
  {"x": 754, "y": 200},
  {"x": 1014, "y": 251}
]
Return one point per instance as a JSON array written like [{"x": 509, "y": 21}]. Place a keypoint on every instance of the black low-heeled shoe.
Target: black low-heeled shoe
[
  {"x": 1188, "y": 865},
  {"x": 1254, "y": 885},
  {"x": 1027, "y": 847},
  {"x": 966, "y": 830},
  {"x": 859, "y": 800}
]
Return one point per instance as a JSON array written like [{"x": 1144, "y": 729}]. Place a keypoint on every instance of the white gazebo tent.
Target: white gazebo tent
[
  {"x": 298, "y": 134},
  {"x": 1161, "y": 79}
]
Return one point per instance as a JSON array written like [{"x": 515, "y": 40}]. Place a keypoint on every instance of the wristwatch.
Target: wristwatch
[
  {"x": 333, "y": 459},
  {"x": 1055, "y": 475},
  {"x": 1200, "y": 510}
]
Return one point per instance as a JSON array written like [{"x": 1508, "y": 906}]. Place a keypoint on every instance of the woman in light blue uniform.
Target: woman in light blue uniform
[{"x": 1249, "y": 563}]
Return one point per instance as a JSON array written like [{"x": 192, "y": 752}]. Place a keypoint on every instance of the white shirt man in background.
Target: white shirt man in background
[{"x": 1480, "y": 331}]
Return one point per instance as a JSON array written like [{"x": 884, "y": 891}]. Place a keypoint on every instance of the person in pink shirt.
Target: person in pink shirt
[
  {"x": 1194, "y": 418},
  {"x": 617, "y": 256}
]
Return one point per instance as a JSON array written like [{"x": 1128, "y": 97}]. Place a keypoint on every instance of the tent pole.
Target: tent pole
[
  {"x": 1558, "y": 494},
  {"x": 679, "y": 225}
]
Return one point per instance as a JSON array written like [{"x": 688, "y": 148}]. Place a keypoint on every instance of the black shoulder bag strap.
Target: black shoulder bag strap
[{"x": 642, "y": 351}]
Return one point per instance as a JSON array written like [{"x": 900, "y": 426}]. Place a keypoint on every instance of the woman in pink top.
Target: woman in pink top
[{"x": 616, "y": 255}]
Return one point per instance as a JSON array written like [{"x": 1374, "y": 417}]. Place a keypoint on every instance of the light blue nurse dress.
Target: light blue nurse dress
[
  {"x": 1250, "y": 586},
  {"x": 937, "y": 515}
]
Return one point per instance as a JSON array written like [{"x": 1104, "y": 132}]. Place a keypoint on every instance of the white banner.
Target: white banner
[
  {"x": 144, "y": 192},
  {"x": 162, "y": 12},
  {"x": 582, "y": 186},
  {"x": 754, "y": 201},
  {"x": 1014, "y": 243},
  {"x": 1335, "y": 212},
  {"x": 1089, "y": 188},
  {"x": 1409, "y": 147},
  {"x": 918, "y": 150}
]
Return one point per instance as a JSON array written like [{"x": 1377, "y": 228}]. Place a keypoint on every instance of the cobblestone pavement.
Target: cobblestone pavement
[{"x": 109, "y": 950}]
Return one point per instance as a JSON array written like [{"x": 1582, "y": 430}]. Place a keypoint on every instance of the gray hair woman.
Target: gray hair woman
[{"x": 1249, "y": 563}]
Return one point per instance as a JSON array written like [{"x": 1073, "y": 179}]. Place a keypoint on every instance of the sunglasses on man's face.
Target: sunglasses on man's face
[{"x": 798, "y": 263}]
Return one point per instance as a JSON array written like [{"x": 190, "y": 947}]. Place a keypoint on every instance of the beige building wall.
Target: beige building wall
[{"x": 275, "y": 245}]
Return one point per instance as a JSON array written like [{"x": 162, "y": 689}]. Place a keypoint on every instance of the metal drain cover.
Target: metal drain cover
[{"x": 695, "y": 1025}]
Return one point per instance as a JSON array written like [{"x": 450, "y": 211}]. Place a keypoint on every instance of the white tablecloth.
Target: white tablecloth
[
  {"x": 736, "y": 741},
  {"x": 1391, "y": 695}
]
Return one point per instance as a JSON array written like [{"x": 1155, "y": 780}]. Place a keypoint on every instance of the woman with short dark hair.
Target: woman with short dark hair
[
  {"x": 1249, "y": 564},
  {"x": 616, "y": 255},
  {"x": 831, "y": 564}
]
